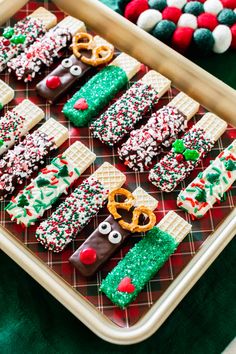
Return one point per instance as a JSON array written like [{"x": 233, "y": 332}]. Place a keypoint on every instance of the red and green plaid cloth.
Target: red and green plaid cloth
[{"x": 59, "y": 262}]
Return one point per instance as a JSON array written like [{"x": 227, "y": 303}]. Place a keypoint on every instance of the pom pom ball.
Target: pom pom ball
[
  {"x": 233, "y": 32},
  {"x": 148, "y": 19},
  {"x": 230, "y": 4},
  {"x": 171, "y": 14},
  {"x": 203, "y": 40},
  {"x": 135, "y": 8},
  {"x": 187, "y": 20},
  {"x": 164, "y": 30},
  {"x": 194, "y": 8},
  {"x": 182, "y": 38},
  {"x": 176, "y": 3},
  {"x": 157, "y": 4},
  {"x": 222, "y": 37},
  {"x": 208, "y": 21},
  {"x": 213, "y": 6},
  {"x": 227, "y": 17}
]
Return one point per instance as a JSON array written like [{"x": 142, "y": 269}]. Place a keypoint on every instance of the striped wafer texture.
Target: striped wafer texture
[
  {"x": 55, "y": 131},
  {"x": 48, "y": 18},
  {"x": 213, "y": 125},
  {"x": 143, "y": 198},
  {"x": 6, "y": 93},
  {"x": 99, "y": 41},
  {"x": 72, "y": 24},
  {"x": 175, "y": 225},
  {"x": 31, "y": 113},
  {"x": 159, "y": 82},
  {"x": 185, "y": 105},
  {"x": 109, "y": 176},
  {"x": 80, "y": 156},
  {"x": 130, "y": 65}
]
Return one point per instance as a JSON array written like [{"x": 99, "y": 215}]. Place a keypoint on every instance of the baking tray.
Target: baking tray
[{"x": 80, "y": 295}]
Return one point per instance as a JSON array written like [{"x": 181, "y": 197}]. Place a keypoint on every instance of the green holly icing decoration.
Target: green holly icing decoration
[
  {"x": 20, "y": 39},
  {"x": 201, "y": 196},
  {"x": 1, "y": 105},
  {"x": 230, "y": 165},
  {"x": 1, "y": 142},
  {"x": 22, "y": 201},
  {"x": 42, "y": 182},
  {"x": 178, "y": 146},
  {"x": 63, "y": 172},
  {"x": 191, "y": 155},
  {"x": 213, "y": 177},
  {"x": 8, "y": 32}
]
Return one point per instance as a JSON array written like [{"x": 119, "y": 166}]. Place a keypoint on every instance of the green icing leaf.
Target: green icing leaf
[
  {"x": 178, "y": 146},
  {"x": 191, "y": 155},
  {"x": 230, "y": 165},
  {"x": 1, "y": 142},
  {"x": 63, "y": 172},
  {"x": 213, "y": 177},
  {"x": 1, "y": 106},
  {"x": 41, "y": 182},
  {"x": 22, "y": 201},
  {"x": 20, "y": 39},
  {"x": 8, "y": 32},
  {"x": 201, "y": 196}
]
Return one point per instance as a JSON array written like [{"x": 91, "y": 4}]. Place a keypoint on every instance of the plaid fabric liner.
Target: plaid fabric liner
[{"x": 59, "y": 262}]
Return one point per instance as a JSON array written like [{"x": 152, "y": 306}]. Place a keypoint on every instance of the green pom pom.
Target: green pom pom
[
  {"x": 157, "y": 4},
  {"x": 63, "y": 172},
  {"x": 8, "y": 32},
  {"x": 203, "y": 40},
  {"x": 22, "y": 201},
  {"x": 213, "y": 177},
  {"x": 191, "y": 155},
  {"x": 164, "y": 30},
  {"x": 230, "y": 165},
  {"x": 201, "y": 196},
  {"x": 41, "y": 182},
  {"x": 227, "y": 17},
  {"x": 178, "y": 146},
  {"x": 194, "y": 7}
]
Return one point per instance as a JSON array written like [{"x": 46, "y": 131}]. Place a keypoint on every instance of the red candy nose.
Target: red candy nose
[
  {"x": 88, "y": 256},
  {"x": 81, "y": 104},
  {"x": 53, "y": 82}
]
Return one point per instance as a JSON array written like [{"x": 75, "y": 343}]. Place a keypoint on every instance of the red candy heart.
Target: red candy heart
[
  {"x": 126, "y": 286},
  {"x": 53, "y": 82},
  {"x": 81, "y": 104}
]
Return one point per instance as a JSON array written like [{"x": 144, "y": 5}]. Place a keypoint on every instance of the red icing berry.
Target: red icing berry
[
  {"x": 28, "y": 55},
  {"x": 6, "y": 42},
  {"x": 81, "y": 104},
  {"x": 126, "y": 286},
  {"x": 182, "y": 38},
  {"x": 135, "y": 8},
  {"x": 206, "y": 20},
  {"x": 171, "y": 13},
  {"x": 179, "y": 157},
  {"x": 233, "y": 31},
  {"x": 53, "y": 82},
  {"x": 88, "y": 256},
  {"x": 230, "y": 4}
]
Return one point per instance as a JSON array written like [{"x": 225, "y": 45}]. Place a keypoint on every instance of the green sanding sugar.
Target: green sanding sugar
[
  {"x": 97, "y": 92},
  {"x": 140, "y": 264}
]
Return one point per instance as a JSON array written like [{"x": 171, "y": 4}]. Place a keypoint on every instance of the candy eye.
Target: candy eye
[
  {"x": 104, "y": 228},
  {"x": 75, "y": 70},
  {"x": 66, "y": 63},
  {"x": 115, "y": 237}
]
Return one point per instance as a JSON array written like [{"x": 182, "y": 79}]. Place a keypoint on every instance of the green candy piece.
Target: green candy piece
[
  {"x": 213, "y": 177},
  {"x": 1, "y": 105},
  {"x": 201, "y": 196},
  {"x": 191, "y": 155},
  {"x": 22, "y": 201},
  {"x": 1, "y": 142},
  {"x": 230, "y": 165},
  {"x": 178, "y": 146},
  {"x": 20, "y": 39},
  {"x": 42, "y": 182},
  {"x": 8, "y": 32},
  {"x": 63, "y": 172}
]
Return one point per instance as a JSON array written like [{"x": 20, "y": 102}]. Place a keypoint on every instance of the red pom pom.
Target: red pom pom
[
  {"x": 171, "y": 13},
  {"x": 206, "y": 20},
  {"x": 182, "y": 38},
  {"x": 233, "y": 31},
  {"x": 135, "y": 8},
  {"x": 230, "y": 4}
]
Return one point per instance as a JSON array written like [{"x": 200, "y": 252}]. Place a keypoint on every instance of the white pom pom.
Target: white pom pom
[
  {"x": 187, "y": 20},
  {"x": 148, "y": 19},
  {"x": 177, "y": 3},
  {"x": 223, "y": 38},
  {"x": 213, "y": 6}
]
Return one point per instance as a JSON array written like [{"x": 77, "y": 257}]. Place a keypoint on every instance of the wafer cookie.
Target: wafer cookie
[
  {"x": 107, "y": 238},
  {"x": 210, "y": 185},
  {"x": 144, "y": 260},
  {"x": 186, "y": 153},
  {"x": 79, "y": 208},
  {"x": 53, "y": 180},
  {"x": 16, "y": 123},
  {"x": 6, "y": 94},
  {"x": 121, "y": 117},
  {"x": 46, "y": 17},
  {"x": 100, "y": 89},
  {"x": 25, "y": 158},
  {"x": 163, "y": 127}
]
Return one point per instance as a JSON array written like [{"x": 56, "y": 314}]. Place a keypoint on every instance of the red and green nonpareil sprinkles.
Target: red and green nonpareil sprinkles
[{"x": 121, "y": 117}]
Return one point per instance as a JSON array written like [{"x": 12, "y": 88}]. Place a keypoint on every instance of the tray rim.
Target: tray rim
[{"x": 95, "y": 320}]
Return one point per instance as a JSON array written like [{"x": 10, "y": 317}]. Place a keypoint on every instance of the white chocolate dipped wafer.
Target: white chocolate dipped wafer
[
  {"x": 185, "y": 104},
  {"x": 121, "y": 117},
  {"x": 143, "y": 198},
  {"x": 16, "y": 123},
  {"x": 53, "y": 180},
  {"x": 175, "y": 225},
  {"x": 6, "y": 94},
  {"x": 72, "y": 24},
  {"x": 129, "y": 64},
  {"x": 78, "y": 209},
  {"x": 213, "y": 125},
  {"x": 55, "y": 131},
  {"x": 210, "y": 185},
  {"x": 46, "y": 17}
]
